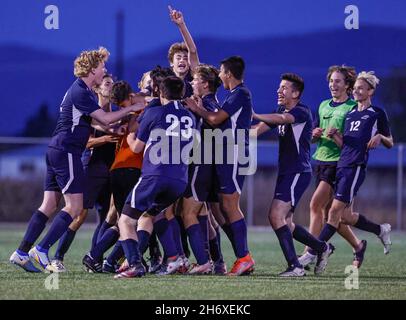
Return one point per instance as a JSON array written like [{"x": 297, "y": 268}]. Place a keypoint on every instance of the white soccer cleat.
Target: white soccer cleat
[
  {"x": 293, "y": 272},
  {"x": 58, "y": 265},
  {"x": 385, "y": 237},
  {"x": 170, "y": 267},
  {"x": 307, "y": 259},
  {"x": 42, "y": 259},
  {"x": 322, "y": 259},
  {"x": 23, "y": 261}
]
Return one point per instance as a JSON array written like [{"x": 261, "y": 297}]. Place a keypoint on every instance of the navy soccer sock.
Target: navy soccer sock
[
  {"x": 227, "y": 230},
  {"x": 302, "y": 235},
  {"x": 215, "y": 247},
  {"x": 239, "y": 231},
  {"x": 286, "y": 242},
  {"x": 58, "y": 228},
  {"x": 204, "y": 225},
  {"x": 196, "y": 242},
  {"x": 109, "y": 238},
  {"x": 35, "y": 227},
  {"x": 165, "y": 236},
  {"x": 116, "y": 254},
  {"x": 143, "y": 240},
  {"x": 131, "y": 251},
  {"x": 364, "y": 224},
  {"x": 177, "y": 237},
  {"x": 64, "y": 244},
  {"x": 327, "y": 232},
  {"x": 104, "y": 226}
]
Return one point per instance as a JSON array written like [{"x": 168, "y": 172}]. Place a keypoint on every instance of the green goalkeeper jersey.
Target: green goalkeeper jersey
[{"x": 330, "y": 116}]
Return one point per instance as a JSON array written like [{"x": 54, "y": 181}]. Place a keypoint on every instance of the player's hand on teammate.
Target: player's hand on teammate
[
  {"x": 136, "y": 107},
  {"x": 110, "y": 139},
  {"x": 176, "y": 16},
  {"x": 317, "y": 133},
  {"x": 194, "y": 103},
  {"x": 374, "y": 142}
]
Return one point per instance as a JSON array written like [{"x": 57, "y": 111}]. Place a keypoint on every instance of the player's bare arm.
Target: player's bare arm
[{"x": 177, "y": 18}]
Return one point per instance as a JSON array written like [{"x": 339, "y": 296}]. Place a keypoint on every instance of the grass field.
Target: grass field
[{"x": 381, "y": 277}]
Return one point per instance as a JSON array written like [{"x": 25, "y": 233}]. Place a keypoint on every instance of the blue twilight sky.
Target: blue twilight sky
[{"x": 89, "y": 23}]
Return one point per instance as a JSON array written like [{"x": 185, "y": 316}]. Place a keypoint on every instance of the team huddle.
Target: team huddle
[{"x": 165, "y": 166}]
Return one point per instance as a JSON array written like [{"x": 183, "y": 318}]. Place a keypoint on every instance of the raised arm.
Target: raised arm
[{"x": 177, "y": 18}]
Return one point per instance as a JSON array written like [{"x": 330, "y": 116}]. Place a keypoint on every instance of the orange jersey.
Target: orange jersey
[{"x": 125, "y": 158}]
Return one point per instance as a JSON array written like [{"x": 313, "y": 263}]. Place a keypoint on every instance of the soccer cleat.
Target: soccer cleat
[
  {"x": 23, "y": 261},
  {"x": 359, "y": 255},
  {"x": 242, "y": 266},
  {"x": 91, "y": 265},
  {"x": 171, "y": 266},
  {"x": 201, "y": 269},
  {"x": 385, "y": 237},
  {"x": 42, "y": 259},
  {"x": 184, "y": 268},
  {"x": 124, "y": 266},
  {"x": 108, "y": 268},
  {"x": 293, "y": 271},
  {"x": 322, "y": 259},
  {"x": 307, "y": 259},
  {"x": 155, "y": 262},
  {"x": 136, "y": 271},
  {"x": 219, "y": 268},
  {"x": 58, "y": 265}
]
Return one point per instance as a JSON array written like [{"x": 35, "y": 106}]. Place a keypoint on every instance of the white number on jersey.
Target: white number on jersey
[
  {"x": 354, "y": 125},
  {"x": 173, "y": 129}
]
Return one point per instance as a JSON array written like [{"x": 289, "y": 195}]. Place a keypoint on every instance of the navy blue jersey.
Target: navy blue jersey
[
  {"x": 238, "y": 105},
  {"x": 360, "y": 127},
  {"x": 73, "y": 126},
  {"x": 153, "y": 103},
  {"x": 188, "y": 87},
  {"x": 294, "y": 141},
  {"x": 168, "y": 158}
]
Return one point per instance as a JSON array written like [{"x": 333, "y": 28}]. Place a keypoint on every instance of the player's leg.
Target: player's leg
[
  {"x": 35, "y": 227},
  {"x": 190, "y": 213},
  {"x": 219, "y": 266}
]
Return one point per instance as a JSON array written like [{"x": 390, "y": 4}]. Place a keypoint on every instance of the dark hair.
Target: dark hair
[
  {"x": 296, "y": 80},
  {"x": 120, "y": 92},
  {"x": 235, "y": 65},
  {"x": 157, "y": 75},
  {"x": 108, "y": 75},
  {"x": 349, "y": 73},
  {"x": 175, "y": 48},
  {"x": 210, "y": 75},
  {"x": 172, "y": 88}
]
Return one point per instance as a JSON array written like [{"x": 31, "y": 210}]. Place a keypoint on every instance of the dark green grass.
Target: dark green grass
[{"x": 381, "y": 277}]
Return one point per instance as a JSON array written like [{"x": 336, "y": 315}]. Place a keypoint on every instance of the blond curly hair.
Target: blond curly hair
[
  {"x": 88, "y": 60},
  {"x": 369, "y": 77}
]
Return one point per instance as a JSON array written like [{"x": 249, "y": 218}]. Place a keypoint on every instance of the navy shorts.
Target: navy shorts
[
  {"x": 290, "y": 187},
  {"x": 202, "y": 182},
  {"x": 152, "y": 194},
  {"x": 229, "y": 174},
  {"x": 64, "y": 172},
  {"x": 97, "y": 192},
  {"x": 349, "y": 180},
  {"x": 326, "y": 173}
]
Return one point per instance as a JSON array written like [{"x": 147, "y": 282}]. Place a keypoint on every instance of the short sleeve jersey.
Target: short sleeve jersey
[
  {"x": 360, "y": 127},
  {"x": 73, "y": 127}
]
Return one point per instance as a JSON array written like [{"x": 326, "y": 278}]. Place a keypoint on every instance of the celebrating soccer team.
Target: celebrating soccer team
[{"x": 169, "y": 165}]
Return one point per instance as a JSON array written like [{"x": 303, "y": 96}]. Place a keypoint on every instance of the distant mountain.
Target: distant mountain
[{"x": 30, "y": 77}]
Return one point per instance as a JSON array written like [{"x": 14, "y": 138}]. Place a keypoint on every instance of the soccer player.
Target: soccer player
[
  {"x": 168, "y": 129},
  {"x": 97, "y": 159},
  {"x": 331, "y": 113},
  {"x": 366, "y": 126},
  {"x": 294, "y": 122},
  {"x": 65, "y": 176},
  {"x": 234, "y": 116},
  {"x": 201, "y": 179}
]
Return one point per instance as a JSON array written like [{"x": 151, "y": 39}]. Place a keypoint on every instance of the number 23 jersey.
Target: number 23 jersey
[
  {"x": 360, "y": 127},
  {"x": 167, "y": 132}
]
